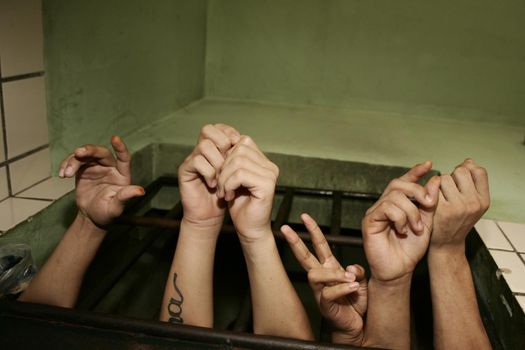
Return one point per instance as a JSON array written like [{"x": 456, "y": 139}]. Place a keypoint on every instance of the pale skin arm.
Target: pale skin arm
[
  {"x": 103, "y": 186},
  {"x": 464, "y": 197},
  {"x": 188, "y": 297},
  {"x": 396, "y": 234},
  {"x": 340, "y": 293},
  {"x": 247, "y": 182}
]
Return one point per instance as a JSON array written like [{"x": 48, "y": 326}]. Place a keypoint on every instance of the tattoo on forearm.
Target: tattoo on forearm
[{"x": 175, "y": 304}]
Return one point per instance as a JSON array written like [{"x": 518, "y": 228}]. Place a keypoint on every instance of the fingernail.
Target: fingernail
[
  {"x": 61, "y": 172},
  {"x": 69, "y": 171},
  {"x": 349, "y": 275},
  {"x": 428, "y": 198},
  {"x": 81, "y": 149},
  {"x": 353, "y": 285}
]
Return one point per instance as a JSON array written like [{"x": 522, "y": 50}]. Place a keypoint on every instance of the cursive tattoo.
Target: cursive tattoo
[{"x": 175, "y": 304}]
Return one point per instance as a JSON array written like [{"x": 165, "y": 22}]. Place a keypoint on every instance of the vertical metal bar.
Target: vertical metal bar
[
  {"x": 244, "y": 317},
  {"x": 284, "y": 209},
  {"x": 337, "y": 200}
]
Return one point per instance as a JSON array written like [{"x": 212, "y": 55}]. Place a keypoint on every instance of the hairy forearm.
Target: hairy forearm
[
  {"x": 277, "y": 310},
  {"x": 59, "y": 280},
  {"x": 388, "y": 316},
  {"x": 457, "y": 322},
  {"x": 188, "y": 297}
]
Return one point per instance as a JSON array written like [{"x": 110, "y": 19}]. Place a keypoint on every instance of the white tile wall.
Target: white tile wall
[
  {"x": 513, "y": 269},
  {"x": 21, "y": 37},
  {"x": 25, "y": 115},
  {"x": 515, "y": 233},
  {"x": 15, "y": 210},
  {"x": 521, "y": 300},
  {"x": 4, "y": 192},
  {"x": 52, "y": 188},
  {"x": 491, "y": 235},
  {"x": 30, "y": 170}
]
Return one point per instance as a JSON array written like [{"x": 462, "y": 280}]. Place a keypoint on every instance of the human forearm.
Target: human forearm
[
  {"x": 59, "y": 280},
  {"x": 388, "y": 317},
  {"x": 277, "y": 310},
  {"x": 457, "y": 322},
  {"x": 188, "y": 297}
]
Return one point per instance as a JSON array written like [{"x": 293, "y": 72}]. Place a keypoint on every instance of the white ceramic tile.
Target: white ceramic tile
[
  {"x": 516, "y": 233},
  {"x": 513, "y": 269},
  {"x": 21, "y": 38},
  {"x": 25, "y": 115},
  {"x": 30, "y": 170},
  {"x": 4, "y": 192},
  {"x": 52, "y": 188},
  {"x": 491, "y": 235},
  {"x": 521, "y": 300},
  {"x": 2, "y": 153},
  {"x": 15, "y": 210}
]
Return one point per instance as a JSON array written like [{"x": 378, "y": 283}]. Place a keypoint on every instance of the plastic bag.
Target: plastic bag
[{"x": 16, "y": 268}]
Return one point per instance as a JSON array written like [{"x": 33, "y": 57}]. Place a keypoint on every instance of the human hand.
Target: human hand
[
  {"x": 341, "y": 294},
  {"x": 247, "y": 182},
  {"x": 396, "y": 232},
  {"x": 199, "y": 172},
  {"x": 103, "y": 183},
  {"x": 463, "y": 198}
]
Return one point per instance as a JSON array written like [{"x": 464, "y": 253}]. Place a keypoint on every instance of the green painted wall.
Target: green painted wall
[
  {"x": 461, "y": 59},
  {"x": 114, "y": 66}
]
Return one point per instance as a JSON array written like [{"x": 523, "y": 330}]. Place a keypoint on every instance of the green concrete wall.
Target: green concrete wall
[
  {"x": 114, "y": 66},
  {"x": 461, "y": 59}
]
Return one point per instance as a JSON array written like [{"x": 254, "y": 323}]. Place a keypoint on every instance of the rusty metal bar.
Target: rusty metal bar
[
  {"x": 335, "y": 226},
  {"x": 174, "y": 224}
]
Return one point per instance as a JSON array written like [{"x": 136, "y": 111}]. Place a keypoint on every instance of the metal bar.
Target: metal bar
[
  {"x": 335, "y": 227},
  {"x": 174, "y": 225},
  {"x": 284, "y": 209},
  {"x": 142, "y": 330},
  {"x": 328, "y": 193},
  {"x": 108, "y": 281}
]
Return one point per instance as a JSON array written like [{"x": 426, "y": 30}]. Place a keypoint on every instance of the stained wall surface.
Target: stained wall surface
[
  {"x": 463, "y": 60},
  {"x": 114, "y": 66}
]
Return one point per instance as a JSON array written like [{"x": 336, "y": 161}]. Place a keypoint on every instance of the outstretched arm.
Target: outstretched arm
[
  {"x": 247, "y": 182},
  {"x": 188, "y": 297},
  {"x": 103, "y": 186},
  {"x": 464, "y": 197},
  {"x": 341, "y": 294},
  {"x": 396, "y": 234}
]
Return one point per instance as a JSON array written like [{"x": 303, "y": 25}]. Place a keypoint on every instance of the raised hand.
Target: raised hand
[
  {"x": 396, "y": 231},
  {"x": 247, "y": 182},
  {"x": 463, "y": 198},
  {"x": 103, "y": 182},
  {"x": 341, "y": 294},
  {"x": 198, "y": 175}
]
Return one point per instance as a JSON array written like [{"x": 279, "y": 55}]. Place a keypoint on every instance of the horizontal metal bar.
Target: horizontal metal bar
[{"x": 175, "y": 224}]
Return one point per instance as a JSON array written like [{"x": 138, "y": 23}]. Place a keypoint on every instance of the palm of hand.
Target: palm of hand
[
  {"x": 391, "y": 254},
  {"x": 250, "y": 214},
  {"x": 96, "y": 187},
  {"x": 200, "y": 202}
]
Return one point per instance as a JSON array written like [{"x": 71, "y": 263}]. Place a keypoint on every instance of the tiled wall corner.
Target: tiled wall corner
[{"x": 25, "y": 183}]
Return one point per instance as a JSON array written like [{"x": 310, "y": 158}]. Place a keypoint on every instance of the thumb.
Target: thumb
[
  {"x": 427, "y": 213},
  {"x": 128, "y": 192}
]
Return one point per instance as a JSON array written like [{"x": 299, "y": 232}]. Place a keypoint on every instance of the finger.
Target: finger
[
  {"x": 259, "y": 186},
  {"x": 388, "y": 212},
  {"x": 411, "y": 190},
  {"x": 321, "y": 275},
  {"x": 99, "y": 154},
  {"x": 249, "y": 142},
  {"x": 321, "y": 246},
  {"x": 358, "y": 271},
  {"x": 123, "y": 156},
  {"x": 417, "y": 172},
  {"x": 299, "y": 249},
  {"x": 464, "y": 182},
  {"x": 409, "y": 208},
  {"x": 63, "y": 165},
  {"x": 242, "y": 150},
  {"x": 240, "y": 165},
  {"x": 212, "y": 154},
  {"x": 128, "y": 192},
  {"x": 219, "y": 139},
  {"x": 199, "y": 165},
  {"x": 481, "y": 180},
  {"x": 229, "y": 131},
  {"x": 449, "y": 189},
  {"x": 331, "y": 293}
]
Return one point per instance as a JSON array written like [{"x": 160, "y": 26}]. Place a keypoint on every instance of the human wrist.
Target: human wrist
[
  {"x": 391, "y": 284},
  {"x": 255, "y": 236},
  {"x": 202, "y": 230},
  {"x": 354, "y": 337},
  {"x": 446, "y": 249},
  {"x": 86, "y": 228}
]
